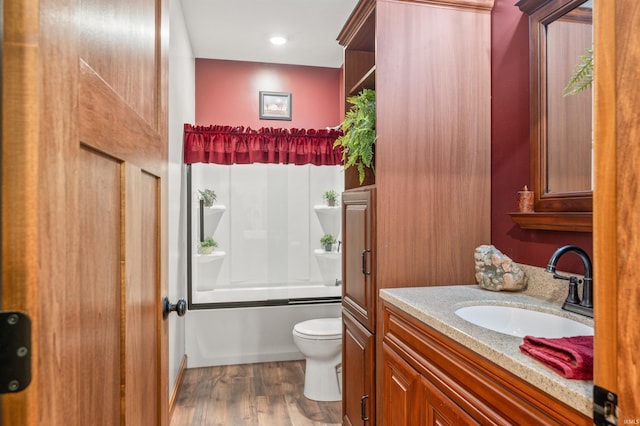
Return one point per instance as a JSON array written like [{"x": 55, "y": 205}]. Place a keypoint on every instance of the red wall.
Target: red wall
[
  {"x": 510, "y": 145},
  {"x": 227, "y": 93}
]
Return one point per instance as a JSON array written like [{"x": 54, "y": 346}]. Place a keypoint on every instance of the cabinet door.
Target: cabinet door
[
  {"x": 410, "y": 399},
  {"x": 400, "y": 387},
  {"x": 440, "y": 410},
  {"x": 358, "y": 373},
  {"x": 358, "y": 284}
]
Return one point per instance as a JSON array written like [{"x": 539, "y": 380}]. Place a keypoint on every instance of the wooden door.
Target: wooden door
[
  {"x": 616, "y": 197},
  {"x": 84, "y": 152},
  {"x": 358, "y": 284}
]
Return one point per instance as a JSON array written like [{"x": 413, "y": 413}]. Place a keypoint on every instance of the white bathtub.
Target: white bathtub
[{"x": 248, "y": 335}]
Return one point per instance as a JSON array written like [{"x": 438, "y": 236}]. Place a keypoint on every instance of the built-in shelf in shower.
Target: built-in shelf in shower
[
  {"x": 212, "y": 216},
  {"x": 209, "y": 266},
  {"x": 206, "y": 258},
  {"x": 329, "y": 217},
  {"x": 329, "y": 265}
]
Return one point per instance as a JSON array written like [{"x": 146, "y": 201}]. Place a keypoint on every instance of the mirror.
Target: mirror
[
  {"x": 561, "y": 122},
  {"x": 569, "y": 126}
]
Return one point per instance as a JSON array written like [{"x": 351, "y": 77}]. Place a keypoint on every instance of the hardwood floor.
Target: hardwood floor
[{"x": 265, "y": 394}]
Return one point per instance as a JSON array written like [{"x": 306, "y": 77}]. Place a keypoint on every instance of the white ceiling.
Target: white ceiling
[{"x": 239, "y": 30}]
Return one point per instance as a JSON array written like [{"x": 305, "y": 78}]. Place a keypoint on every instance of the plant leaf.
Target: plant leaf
[
  {"x": 359, "y": 135},
  {"x": 582, "y": 77}
]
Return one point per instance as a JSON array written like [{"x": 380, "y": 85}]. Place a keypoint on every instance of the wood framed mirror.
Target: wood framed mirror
[{"x": 561, "y": 39}]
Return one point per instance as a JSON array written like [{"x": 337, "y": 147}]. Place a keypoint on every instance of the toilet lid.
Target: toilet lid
[{"x": 326, "y": 328}]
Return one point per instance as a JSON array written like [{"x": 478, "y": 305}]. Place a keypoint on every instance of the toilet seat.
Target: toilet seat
[{"x": 319, "y": 329}]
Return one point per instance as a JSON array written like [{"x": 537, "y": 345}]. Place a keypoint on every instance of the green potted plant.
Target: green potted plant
[
  {"x": 330, "y": 196},
  {"x": 359, "y": 138},
  {"x": 208, "y": 196},
  {"x": 327, "y": 242},
  {"x": 207, "y": 246}
]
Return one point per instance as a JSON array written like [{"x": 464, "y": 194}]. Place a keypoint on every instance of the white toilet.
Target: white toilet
[{"x": 320, "y": 341}]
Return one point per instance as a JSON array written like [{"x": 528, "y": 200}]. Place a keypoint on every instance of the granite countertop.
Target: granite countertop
[{"x": 435, "y": 306}]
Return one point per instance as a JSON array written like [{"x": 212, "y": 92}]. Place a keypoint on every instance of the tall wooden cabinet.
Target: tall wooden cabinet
[
  {"x": 359, "y": 262},
  {"x": 359, "y": 306},
  {"x": 429, "y": 201}
]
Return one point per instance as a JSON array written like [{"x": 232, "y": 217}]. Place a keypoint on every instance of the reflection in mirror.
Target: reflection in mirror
[{"x": 569, "y": 124}]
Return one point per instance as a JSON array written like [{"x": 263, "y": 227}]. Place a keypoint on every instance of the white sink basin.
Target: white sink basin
[{"x": 522, "y": 322}]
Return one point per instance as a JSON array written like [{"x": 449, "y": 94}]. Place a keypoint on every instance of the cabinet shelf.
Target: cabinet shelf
[
  {"x": 358, "y": 37},
  {"x": 368, "y": 81}
]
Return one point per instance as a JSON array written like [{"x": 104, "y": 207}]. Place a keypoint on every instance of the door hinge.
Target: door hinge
[
  {"x": 15, "y": 351},
  {"x": 605, "y": 407}
]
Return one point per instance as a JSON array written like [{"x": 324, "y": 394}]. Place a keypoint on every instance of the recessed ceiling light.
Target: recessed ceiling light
[{"x": 278, "y": 40}]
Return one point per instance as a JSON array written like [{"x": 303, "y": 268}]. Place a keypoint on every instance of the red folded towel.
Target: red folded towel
[{"x": 571, "y": 357}]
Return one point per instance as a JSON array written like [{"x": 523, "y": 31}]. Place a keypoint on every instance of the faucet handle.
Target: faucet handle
[
  {"x": 572, "y": 297},
  {"x": 562, "y": 277},
  {"x": 573, "y": 291}
]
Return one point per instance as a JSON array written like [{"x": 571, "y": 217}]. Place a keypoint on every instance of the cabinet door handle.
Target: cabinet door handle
[
  {"x": 363, "y": 403},
  {"x": 364, "y": 262}
]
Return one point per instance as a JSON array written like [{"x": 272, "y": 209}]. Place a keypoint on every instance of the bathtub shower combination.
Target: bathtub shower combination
[{"x": 267, "y": 221}]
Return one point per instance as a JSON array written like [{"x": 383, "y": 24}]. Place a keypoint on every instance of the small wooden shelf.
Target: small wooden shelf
[
  {"x": 368, "y": 81},
  {"x": 554, "y": 221}
]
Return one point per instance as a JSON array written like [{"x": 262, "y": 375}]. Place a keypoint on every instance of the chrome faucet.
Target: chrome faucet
[{"x": 573, "y": 302}]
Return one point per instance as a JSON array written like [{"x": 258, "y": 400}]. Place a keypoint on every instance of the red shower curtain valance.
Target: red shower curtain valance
[{"x": 237, "y": 145}]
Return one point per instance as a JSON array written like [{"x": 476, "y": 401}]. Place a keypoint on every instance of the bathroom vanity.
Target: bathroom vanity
[{"x": 440, "y": 369}]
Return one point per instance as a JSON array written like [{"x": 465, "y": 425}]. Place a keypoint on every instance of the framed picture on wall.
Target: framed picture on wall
[{"x": 275, "y": 106}]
